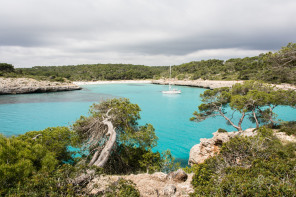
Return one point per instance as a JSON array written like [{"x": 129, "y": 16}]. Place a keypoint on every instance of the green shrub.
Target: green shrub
[
  {"x": 249, "y": 166},
  {"x": 28, "y": 155},
  {"x": 122, "y": 188},
  {"x": 222, "y": 130},
  {"x": 289, "y": 128},
  {"x": 202, "y": 175}
]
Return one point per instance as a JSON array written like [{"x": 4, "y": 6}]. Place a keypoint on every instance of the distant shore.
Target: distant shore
[
  {"x": 26, "y": 85},
  {"x": 110, "y": 82},
  {"x": 210, "y": 84}
]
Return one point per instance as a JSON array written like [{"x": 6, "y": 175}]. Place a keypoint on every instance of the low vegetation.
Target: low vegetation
[
  {"x": 289, "y": 128},
  {"x": 249, "y": 166}
]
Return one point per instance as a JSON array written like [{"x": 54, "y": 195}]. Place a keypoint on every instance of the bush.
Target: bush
[
  {"x": 289, "y": 128},
  {"x": 249, "y": 166},
  {"x": 4, "y": 67},
  {"x": 222, "y": 131},
  {"x": 122, "y": 188},
  {"x": 28, "y": 155}
]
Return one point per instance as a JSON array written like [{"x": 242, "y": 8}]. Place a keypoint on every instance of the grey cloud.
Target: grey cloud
[{"x": 167, "y": 27}]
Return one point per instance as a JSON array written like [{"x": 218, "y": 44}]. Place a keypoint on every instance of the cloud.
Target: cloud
[
  {"x": 39, "y": 32},
  {"x": 36, "y": 56}
]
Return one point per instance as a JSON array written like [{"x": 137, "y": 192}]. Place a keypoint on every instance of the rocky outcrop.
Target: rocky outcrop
[
  {"x": 209, "y": 147},
  {"x": 157, "y": 184},
  {"x": 169, "y": 190},
  {"x": 178, "y": 176},
  {"x": 285, "y": 138},
  {"x": 27, "y": 85}
]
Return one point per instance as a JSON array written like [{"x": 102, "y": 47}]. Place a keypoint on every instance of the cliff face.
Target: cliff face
[{"x": 27, "y": 85}]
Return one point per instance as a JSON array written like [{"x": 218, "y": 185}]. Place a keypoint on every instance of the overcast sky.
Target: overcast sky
[{"x": 149, "y": 32}]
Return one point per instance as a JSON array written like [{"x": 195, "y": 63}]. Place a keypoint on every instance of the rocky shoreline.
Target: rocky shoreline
[
  {"x": 110, "y": 82},
  {"x": 209, "y": 84},
  {"x": 212, "y": 84},
  {"x": 27, "y": 85}
]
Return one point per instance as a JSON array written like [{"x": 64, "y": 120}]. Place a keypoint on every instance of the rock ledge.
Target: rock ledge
[{"x": 27, "y": 85}]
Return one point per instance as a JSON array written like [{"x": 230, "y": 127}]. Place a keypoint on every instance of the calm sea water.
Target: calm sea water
[{"x": 169, "y": 114}]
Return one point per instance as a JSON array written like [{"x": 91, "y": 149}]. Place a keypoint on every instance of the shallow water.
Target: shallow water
[{"x": 169, "y": 114}]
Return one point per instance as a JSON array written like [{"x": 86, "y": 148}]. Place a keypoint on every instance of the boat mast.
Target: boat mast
[{"x": 170, "y": 77}]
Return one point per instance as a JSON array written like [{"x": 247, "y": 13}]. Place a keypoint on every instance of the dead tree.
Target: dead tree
[{"x": 99, "y": 136}]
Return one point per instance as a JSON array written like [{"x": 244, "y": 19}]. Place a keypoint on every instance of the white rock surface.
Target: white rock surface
[
  {"x": 148, "y": 184},
  {"x": 209, "y": 147},
  {"x": 212, "y": 84},
  {"x": 27, "y": 85}
]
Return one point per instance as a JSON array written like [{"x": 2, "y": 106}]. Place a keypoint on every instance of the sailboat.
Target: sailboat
[{"x": 171, "y": 90}]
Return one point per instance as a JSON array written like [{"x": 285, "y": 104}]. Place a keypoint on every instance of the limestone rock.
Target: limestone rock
[
  {"x": 169, "y": 190},
  {"x": 212, "y": 84},
  {"x": 285, "y": 138},
  {"x": 27, "y": 85},
  {"x": 160, "y": 176},
  {"x": 209, "y": 147},
  {"x": 148, "y": 184},
  {"x": 100, "y": 184},
  {"x": 178, "y": 176}
]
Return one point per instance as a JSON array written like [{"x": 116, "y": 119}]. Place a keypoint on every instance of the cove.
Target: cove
[{"x": 169, "y": 114}]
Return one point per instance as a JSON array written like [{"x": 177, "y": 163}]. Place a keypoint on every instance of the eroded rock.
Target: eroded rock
[
  {"x": 209, "y": 147},
  {"x": 169, "y": 190},
  {"x": 178, "y": 176},
  {"x": 155, "y": 184}
]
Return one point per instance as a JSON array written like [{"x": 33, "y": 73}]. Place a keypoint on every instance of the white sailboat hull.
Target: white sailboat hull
[{"x": 172, "y": 92}]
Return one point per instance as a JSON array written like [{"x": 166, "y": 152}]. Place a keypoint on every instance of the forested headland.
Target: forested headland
[{"x": 277, "y": 67}]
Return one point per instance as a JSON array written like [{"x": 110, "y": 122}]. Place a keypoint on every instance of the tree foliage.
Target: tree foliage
[
  {"x": 283, "y": 64},
  {"x": 248, "y": 166},
  {"x": 32, "y": 153},
  {"x": 87, "y": 72},
  {"x": 6, "y": 68},
  {"x": 278, "y": 67},
  {"x": 132, "y": 149},
  {"x": 253, "y": 99}
]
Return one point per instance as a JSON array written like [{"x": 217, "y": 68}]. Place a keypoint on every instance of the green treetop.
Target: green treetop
[{"x": 253, "y": 99}]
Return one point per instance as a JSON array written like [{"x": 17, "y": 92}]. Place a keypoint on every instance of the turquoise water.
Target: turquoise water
[{"x": 169, "y": 114}]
